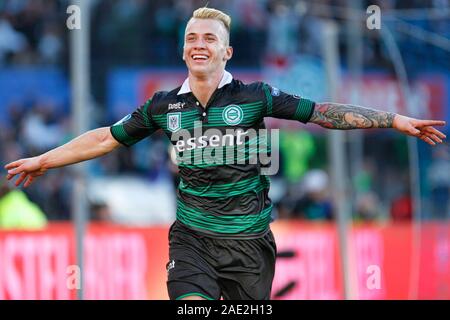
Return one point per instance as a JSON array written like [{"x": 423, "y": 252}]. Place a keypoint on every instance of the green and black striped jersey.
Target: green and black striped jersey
[{"x": 222, "y": 190}]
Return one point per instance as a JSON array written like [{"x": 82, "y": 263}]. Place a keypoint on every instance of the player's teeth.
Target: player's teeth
[{"x": 200, "y": 57}]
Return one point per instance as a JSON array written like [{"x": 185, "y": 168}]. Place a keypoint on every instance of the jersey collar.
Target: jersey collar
[{"x": 226, "y": 79}]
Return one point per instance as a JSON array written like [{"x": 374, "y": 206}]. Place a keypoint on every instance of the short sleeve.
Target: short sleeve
[
  {"x": 287, "y": 106},
  {"x": 134, "y": 127}
]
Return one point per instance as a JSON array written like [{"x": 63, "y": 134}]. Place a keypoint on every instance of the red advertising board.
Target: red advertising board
[
  {"x": 120, "y": 263},
  {"x": 398, "y": 261}
]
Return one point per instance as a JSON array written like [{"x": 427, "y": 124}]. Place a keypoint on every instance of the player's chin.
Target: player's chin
[{"x": 197, "y": 68}]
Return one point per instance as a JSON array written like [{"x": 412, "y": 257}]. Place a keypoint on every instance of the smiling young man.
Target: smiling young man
[{"x": 220, "y": 244}]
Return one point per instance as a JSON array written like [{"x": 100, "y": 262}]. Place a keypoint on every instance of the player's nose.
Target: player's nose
[{"x": 200, "y": 44}]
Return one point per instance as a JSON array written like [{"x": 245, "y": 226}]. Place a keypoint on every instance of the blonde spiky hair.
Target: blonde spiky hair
[{"x": 214, "y": 14}]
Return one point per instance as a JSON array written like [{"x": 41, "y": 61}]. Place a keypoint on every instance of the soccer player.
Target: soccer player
[{"x": 220, "y": 244}]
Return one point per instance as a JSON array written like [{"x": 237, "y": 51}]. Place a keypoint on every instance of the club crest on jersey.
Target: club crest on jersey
[
  {"x": 174, "y": 121},
  {"x": 232, "y": 115}
]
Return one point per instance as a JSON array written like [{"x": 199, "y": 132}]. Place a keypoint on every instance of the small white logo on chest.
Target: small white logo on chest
[{"x": 176, "y": 106}]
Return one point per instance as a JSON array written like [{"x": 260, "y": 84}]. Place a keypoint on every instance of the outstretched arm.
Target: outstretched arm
[
  {"x": 343, "y": 116},
  {"x": 89, "y": 145}
]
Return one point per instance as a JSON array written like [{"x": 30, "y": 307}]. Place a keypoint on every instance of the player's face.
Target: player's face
[{"x": 205, "y": 46}]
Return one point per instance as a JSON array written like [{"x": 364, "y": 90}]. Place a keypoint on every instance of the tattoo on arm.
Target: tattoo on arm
[{"x": 345, "y": 116}]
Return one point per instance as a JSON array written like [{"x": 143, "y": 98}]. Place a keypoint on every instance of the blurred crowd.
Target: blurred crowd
[
  {"x": 143, "y": 33},
  {"x": 151, "y": 32}
]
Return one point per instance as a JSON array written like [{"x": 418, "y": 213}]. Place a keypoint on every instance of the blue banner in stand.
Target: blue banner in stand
[{"x": 24, "y": 87}]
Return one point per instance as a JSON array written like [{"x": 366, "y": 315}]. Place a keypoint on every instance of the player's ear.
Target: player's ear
[{"x": 228, "y": 53}]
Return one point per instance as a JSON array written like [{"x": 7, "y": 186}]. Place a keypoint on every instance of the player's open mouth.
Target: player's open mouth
[{"x": 199, "y": 57}]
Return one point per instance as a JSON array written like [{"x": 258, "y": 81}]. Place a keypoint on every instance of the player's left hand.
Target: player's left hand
[{"x": 423, "y": 129}]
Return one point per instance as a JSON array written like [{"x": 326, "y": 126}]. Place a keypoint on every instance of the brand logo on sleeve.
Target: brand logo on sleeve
[
  {"x": 275, "y": 92},
  {"x": 170, "y": 265},
  {"x": 124, "y": 119}
]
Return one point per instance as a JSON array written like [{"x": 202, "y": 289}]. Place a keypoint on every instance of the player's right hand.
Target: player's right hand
[{"x": 28, "y": 169}]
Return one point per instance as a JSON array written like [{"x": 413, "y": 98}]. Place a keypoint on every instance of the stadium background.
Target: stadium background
[{"x": 135, "y": 50}]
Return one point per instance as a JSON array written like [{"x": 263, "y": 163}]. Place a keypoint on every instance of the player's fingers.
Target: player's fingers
[
  {"x": 14, "y": 164},
  {"x": 16, "y": 170},
  {"x": 9, "y": 176},
  {"x": 21, "y": 178},
  {"x": 434, "y": 137},
  {"x": 424, "y": 123},
  {"x": 29, "y": 181},
  {"x": 414, "y": 132},
  {"x": 427, "y": 140},
  {"x": 436, "y": 132}
]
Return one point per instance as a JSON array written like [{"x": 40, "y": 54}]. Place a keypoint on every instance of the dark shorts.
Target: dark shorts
[{"x": 237, "y": 269}]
